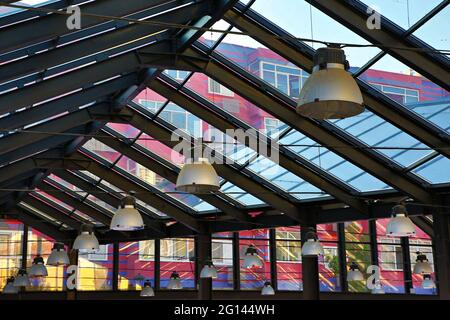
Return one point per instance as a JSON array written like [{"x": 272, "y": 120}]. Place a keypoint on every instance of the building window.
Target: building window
[
  {"x": 151, "y": 105},
  {"x": 287, "y": 79},
  {"x": 217, "y": 88},
  {"x": 402, "y": 95}
]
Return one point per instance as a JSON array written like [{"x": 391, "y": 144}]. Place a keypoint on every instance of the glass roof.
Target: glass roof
[{"x": 284, "y": 80}]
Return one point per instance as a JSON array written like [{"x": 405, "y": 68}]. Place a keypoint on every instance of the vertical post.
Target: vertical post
[
  {"x": 342, "y": 256},
  {"x": 373, "y": 242},
  {"x": 204, "y": 247},
  {"x": 407, "y": 273},
  {"x": 115, "y": 271},
  {"x": 236, "y": 262},
  {"x": 157, "y": 265},
  {"x": 441, "y": 227},
  {"x": 273, "y": 258},
  {"x": 310, "y": 270},
  {"x": 73, "y": 260},
  {"x": 23, "y": 264}
]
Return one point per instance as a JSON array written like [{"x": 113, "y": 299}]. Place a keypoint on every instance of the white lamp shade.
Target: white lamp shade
[
  {"x": 428, "y": 283},
  {"x": 58, "y": 256},
  {"x": 198, "y": 177},
  {"x": 400, "y": 226},
  {"x": 378, "y": 289},
  {"x": 86, "y": 241},
  {"x": 312, "y": 248},
  {"x": 147, "y": 290},
  {"x": 127, "y": 218},
  {"x": 21, "y": 279},
  {"x": 208, "y": 271},
  {"x": 38, "y": 268},
  {"x": 252, "y": 261},
  {"x": 175, "y": 284},
  {"x": 354, "y": 275},
  {"x": 9, "y": 287},
  {"x": 267, "y": 290},
  {"x": 330, "y": 92},
  {"x": 422, "y": 267}
]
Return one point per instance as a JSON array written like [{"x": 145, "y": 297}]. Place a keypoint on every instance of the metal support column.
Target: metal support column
[
  {"x": 157, "y": 258},
  {"x": 310, "y": 271},
  {"x": 441, "y": 226},
  {"x": 342, "y": 256},
  {"x": 407, "y": 273},
  {"x": 115, "y": 276},
  {"x": 236, "y": 262},
  {"x": 204, "y": 251},
  {"x": 23, "y": 264},
  {"x": 373, "y": 242},
  {"x": 273, "y": 258}
]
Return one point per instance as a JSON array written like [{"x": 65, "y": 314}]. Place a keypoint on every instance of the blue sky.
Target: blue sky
[{"x": 294, "y": 16}]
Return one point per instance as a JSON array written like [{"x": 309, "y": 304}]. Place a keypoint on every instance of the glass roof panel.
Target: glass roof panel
[
  {"x": 209, "y": 38},
  {"x": 289, "y": 182},
  {"x": 385, "y": 138},
  {"x": 102, "y": 150},
  {"x": 150, "y": 100},
  {"x": 428, "y": 32},
  {"x": 240, "y": 195},
  {"x": 435, "y": 171},
  {"x": 407, "y": 87},
  {"x": 331, "y": 162},
  {"x": 156, "y": 147}
]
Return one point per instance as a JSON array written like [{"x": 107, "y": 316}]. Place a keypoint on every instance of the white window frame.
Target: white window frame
[
  {"x": 391, "y": 244},
  {"x": 383, "y": 86},
  {"x": 276, "y": 72},
  {"x": 171, "y": 248},
  {"x": 288, "y": 240},
  {"x": 141, "y": 251}
]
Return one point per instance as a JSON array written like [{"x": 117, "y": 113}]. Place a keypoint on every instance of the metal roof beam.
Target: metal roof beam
[
  {"x": 169, "y": 174},
  {"x": 54, "y": 25},
  {"x": 100, "y": 44},
  {"x": 234, "y": 175},
  {"x": 257, "y": 91}
]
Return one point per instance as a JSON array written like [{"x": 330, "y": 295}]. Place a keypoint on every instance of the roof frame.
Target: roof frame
[
  {"x": 353, "y": 14},
  {"x": 257, "y": 91},
  {"x": 301, "y": 55}
]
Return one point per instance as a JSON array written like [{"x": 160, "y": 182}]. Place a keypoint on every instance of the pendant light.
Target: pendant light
[
  {"x": 422, "y": 265},
  {"x": 38, "y": 268},
  {"x": 330, "y": 92},
  {"x": 428, "y": 282},
  {"x": 400, "y": 225},
  {"x": 147, "y": 290},
  {"x": 312, "y": 246},
  {"x": 267, "y": 290},
  {"x": 198, "y": 177},
  {"x": 22, "y": 279},
  {"x": 127, "y": 217},
  {"x": 86, "y": 240},
  {"x": 251, "y": 258},
  {"x": 174, "y": 282},
  {"x": 9, "y": 287},
  {"x": 378, "y": 289},
  {"x": 58, "y": 256},
  {"x": 208, "y": 271},
  {"x": 354, "y": 273}
]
